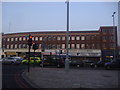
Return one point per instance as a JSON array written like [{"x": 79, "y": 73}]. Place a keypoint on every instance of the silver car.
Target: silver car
[{"x": 12, "y": 60}]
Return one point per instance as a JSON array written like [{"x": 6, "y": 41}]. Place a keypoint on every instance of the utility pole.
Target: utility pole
[
  {"x": 114, "y": 35},
  {"x": 67, "y": 41}
]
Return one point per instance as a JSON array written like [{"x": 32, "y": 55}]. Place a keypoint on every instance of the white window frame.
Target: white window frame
[
  {"x": 16, "y": 39},
  {"x": 7, "y": 46},
  {"x": 63, "y": 46},
  {"x": 72, "y": 46},
  {"x": 68, "y": 45},
  {"x": 20, "y": 38},
  {"x": 36, "y": 38},
  {"x": 77, "y": 46},
  {"x": 15, "y": 45},
  {"x": 24, "y": 38},
  {"x": 11, "y": 46},
  {"x": 77, "y": 38},
  {"x": 40, "y": 38},
  {"x": 58, "y": 38},
  {"x": 69, "y": 38},
  {"x": 8, "y": 39},
  {"x": 11, "y": 39},
  {"x": 63, "y": 38},
  {"x": 72, "y": 38},
  {"x": 82, "y": 46},
  {"x": 82, "y": 37}
]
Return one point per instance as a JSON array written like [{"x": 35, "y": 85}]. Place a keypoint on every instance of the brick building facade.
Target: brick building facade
[{"x": 81, "y": 43}]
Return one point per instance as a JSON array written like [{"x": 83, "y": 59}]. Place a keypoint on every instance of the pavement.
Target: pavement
[{"x": 40, "y": 77}]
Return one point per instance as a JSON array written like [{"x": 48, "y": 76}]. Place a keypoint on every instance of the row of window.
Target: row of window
[
  {"x": 94, "y": 37},
  {"x": 108, "y": 31},
  {"x": 61, "y": 46},
  {"x": 108, "y": 38}
]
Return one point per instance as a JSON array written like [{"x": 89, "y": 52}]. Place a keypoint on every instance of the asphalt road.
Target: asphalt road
[{"x": 11, "y": 77}]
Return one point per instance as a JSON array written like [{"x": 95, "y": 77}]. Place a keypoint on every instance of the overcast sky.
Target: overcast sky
[{"x": 41, "y": 16}]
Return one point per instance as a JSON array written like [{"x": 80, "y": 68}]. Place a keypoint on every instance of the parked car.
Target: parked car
[
  {"x": 88, "y": 62},
  {"x": 12, "y": 60},
  {"x": 33, "y": 60},
  {"x": 53, "y": 61},
  {"x": 98, "y": 64},
  {"x": 77, "y": 63},
  {"x": 113, "y": 64}
]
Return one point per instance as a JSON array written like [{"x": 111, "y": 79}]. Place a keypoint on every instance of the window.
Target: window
[
  {"x": 27, "y": 38},
  {"x": 98, "y": 46},
  {"x": 36, "y": 38},
  {"x": 63, "y": 46},
  {"x": 63, "y": 38},
  {"x": 82, "y": 38},
  {"x": 24, "y": 38},
  {"x": 92, "y": 37},
  {"x": 16, "y": 39},
  {"x": 77, "y": 46},
  {"x": 54, "y": 46},
  {"x": 15, "y": 45},
  {"x": 72, "y": 46},
  {"x": 49, "y": 38},
  {"x": 73, "y": 38},
  {"x": 112, "y": 45},
  {"x": 33, "y": 38},
  {"x": 93, "y": 46},
  {"x": 69, "y": 38},
  {"x": 8, "y": 39},
  {"x": 40, "y": 38},
  {"x": 105, "y": 37},
  {"x": 54, "y": 38},
  {"x": 58, "y": 38},
  {"x": 19, "y": 45},
  {"x": 58, "y": 47},
  {"x": 111, "y": 37},
  {"x": 24, "y": 46},
  {"x": 20, "y": 38},
  {"x": 39, "y": 45},
  {"x": 68, "y": 45},
  {"x": 104, "y": 45},
  {"x": 11, "y": 39},
  {"x": 11, "y": 46},
  {"x": 82, "y": 46},
  {"x": 87, "y": 37},
  {"x": 87, "y": 46},
  {"x": 77, "y": 38},
  {"x": 7, "y": 46}
]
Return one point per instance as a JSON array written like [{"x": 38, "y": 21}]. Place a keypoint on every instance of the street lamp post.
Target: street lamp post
[
  {"x": 67, "y": 41},
  {"x": 114, "y": 35}
]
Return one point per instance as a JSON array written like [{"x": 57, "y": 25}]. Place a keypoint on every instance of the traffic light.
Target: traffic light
[
  {"x": 30, "y": 40},
  {"x": 35, "y": 46}
]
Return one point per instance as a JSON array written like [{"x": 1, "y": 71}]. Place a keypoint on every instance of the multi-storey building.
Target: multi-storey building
[
  {"x": 119, "y": 23},
  {"x": 85, "y": 44},
  {"x": 119, "y": 27},
  {"x": 0, "y": 45}
]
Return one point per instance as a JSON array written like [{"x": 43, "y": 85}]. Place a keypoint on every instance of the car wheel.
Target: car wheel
[
  {"x": 78, "y": 65},
  {"x": 58, "y": 65},
  {"x": 95, "y": 66}
]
